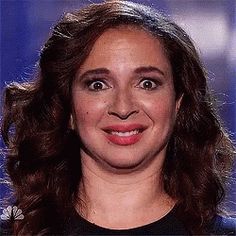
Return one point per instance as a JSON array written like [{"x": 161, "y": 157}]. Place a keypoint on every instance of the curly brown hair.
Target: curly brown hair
[{"x": 43, "y": 158}]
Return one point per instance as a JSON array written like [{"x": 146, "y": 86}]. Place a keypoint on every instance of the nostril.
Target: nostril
[
  {"x": 122, "y": 105},
  {"x": 122, "y": 116}
]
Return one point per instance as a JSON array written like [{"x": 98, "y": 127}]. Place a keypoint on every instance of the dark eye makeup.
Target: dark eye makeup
[
  {"x": 96, "y": 84},
  {"x": 149, "y": 83}
]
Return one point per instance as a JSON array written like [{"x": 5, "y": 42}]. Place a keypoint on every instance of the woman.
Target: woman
[{"x": 118, "y": 134}]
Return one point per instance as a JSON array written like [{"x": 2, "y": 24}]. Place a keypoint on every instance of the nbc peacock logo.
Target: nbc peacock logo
[{"x": 12, "y": 213}]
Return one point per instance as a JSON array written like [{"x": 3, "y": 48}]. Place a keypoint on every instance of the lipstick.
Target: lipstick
[{"x": 124, "y": 134}]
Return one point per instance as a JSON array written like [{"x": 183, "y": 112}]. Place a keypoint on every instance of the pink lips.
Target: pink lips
[{"x": 124, "y": 134}]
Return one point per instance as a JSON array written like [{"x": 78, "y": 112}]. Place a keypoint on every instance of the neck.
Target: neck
[{"x": 119, "y": 201}]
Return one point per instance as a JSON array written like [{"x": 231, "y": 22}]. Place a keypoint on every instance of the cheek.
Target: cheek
[
  {"x": 88, "y": 110},
  {"x": 160, "y": 108},
  {"x": 163, "y": 118}
]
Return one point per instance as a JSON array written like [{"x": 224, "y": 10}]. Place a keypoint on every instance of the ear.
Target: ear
[
  {"x": 71, "y": 122},
  {"x": 178, "y": 103}
]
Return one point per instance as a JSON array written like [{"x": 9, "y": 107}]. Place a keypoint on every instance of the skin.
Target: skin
[{"x": 134, "y": 86}]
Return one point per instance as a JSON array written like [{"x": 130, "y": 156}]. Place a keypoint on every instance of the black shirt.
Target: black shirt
[{"x": 168, "y": 225}]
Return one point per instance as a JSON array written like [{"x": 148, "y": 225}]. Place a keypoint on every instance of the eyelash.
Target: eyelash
[
  {"x": 91, "y": 82},
  {"x": 154, "y": 82}
]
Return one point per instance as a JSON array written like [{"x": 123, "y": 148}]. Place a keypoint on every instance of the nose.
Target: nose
[{"x": 123, "y": 104}]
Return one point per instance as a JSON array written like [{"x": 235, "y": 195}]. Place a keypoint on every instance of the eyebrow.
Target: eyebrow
[
  {"x": 94, "y": 72},
  {"x": 142, "y": 69},
  {"x": 146, "y": 69}
]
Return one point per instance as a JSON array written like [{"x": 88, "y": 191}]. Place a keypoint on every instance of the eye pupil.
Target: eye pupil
[
  {"x": 147, "y": 84},
  {"x": 97, "y": 86}
]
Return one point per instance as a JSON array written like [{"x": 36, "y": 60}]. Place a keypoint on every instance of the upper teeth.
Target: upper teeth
[{"x": 125, "y": 134}]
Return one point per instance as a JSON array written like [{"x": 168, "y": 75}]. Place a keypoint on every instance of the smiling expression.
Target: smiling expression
[{"x": 124, "y": 100}]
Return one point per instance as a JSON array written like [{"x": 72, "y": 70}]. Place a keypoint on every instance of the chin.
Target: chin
[{"x": 124, "y": 165}]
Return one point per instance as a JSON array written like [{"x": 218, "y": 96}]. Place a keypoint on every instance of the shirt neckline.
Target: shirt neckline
[{"x": 166, "y": 218}]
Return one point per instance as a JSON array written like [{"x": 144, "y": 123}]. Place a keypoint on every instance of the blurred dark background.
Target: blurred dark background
[{"x": 26, "y": 25}]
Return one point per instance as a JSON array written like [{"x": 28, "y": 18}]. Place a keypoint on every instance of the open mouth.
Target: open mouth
[{"x": 124, "y": 135}]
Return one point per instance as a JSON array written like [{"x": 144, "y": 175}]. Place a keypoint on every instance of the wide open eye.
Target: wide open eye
[
  {"x": 148, "y": 84},
  {"x": 97, "y": 85}
]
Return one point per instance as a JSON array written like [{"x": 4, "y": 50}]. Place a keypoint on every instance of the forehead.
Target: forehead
[
  {"x": 127, "y": 44},
  {"x": 127, "y": 34}
]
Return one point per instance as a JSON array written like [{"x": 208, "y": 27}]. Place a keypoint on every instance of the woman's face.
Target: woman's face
[{"x": 124, "y": 99}]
